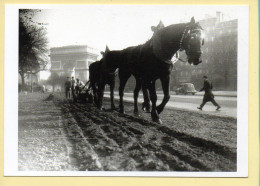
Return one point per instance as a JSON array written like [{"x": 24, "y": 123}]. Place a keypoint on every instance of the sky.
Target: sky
[{"x": 117, "y": 26}]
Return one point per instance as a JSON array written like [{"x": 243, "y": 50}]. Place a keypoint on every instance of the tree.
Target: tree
[{"x": 33, "y": 51}]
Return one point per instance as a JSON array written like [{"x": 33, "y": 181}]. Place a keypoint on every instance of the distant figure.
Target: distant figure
[
  {"x": 208, "y": 96},
  {"x": 79, "y": 86},
  {"x": 73, "y": 85},
  {"x": 67, "y": 88},
  {"x": 43, "y": 89}
]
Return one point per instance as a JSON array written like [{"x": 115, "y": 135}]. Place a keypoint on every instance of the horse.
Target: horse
[
  {"x": 151, "y": 61},
  {"x": 95, "y": 73}
]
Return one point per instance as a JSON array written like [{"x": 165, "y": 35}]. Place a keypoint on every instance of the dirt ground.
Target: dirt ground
[{"x": 84, "y": 138}]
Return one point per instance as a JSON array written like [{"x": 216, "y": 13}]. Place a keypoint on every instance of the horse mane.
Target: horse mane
[
  {"x": 170, "y": 42},
  {"x": 166, "y": 42}
]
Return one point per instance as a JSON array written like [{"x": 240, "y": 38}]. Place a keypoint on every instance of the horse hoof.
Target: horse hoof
[
  {"x": 136, "y": 114},
  {"x": 159, "y": 121}
]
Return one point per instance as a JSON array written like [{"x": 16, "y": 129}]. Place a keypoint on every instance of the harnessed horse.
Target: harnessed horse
[
  {"x": 151, "y": 61},
  {"x": 108, "y": 77}
]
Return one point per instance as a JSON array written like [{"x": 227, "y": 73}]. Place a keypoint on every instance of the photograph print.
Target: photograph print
[{"x": 126, "y": 90}]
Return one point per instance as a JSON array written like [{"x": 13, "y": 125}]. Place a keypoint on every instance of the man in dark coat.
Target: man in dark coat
[
  {"x": 73, "y": 85},
  {"x": 67, "y": 88},
  {"x": 208, "y": 96}
]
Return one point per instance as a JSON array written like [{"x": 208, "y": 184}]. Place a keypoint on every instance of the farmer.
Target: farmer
[
  {"x": 73, "y": 85},
  {"x": 79, "y": 86},
  {"x": 43, "y": 88},
  {"x": 67, "y": 87},
  {"x": 208, "y": 96}
]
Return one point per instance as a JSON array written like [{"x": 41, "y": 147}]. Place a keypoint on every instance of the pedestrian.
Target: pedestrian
[
  {"x": 208, "y": 96},
  {"x": 73, "y": 84},
  {"x": 79, "y": 86},
  {"x": 43, "y": 88},
  {"x": 67, "y": 87}
]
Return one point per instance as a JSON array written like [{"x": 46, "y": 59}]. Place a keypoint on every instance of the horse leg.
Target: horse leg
[
  {"x": 112, "y": 87},
  {"x": 101, "y": 88},
  {"x": 94, "y": 88},
  {"x": 153, "y": 97},
  {"x": 146, "y": 103},
  {"x": 166, "y": 91},
  {"x": 123, "y": 79},
  {"x": 136, "y": 94}
]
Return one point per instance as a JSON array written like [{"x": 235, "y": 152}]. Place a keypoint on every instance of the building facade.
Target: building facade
[
  {"x": 73, "y": 60},
  {"x": 219, "y": 58}
]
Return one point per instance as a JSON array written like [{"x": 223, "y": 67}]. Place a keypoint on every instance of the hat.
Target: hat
[{"x": 205, "y": 77}]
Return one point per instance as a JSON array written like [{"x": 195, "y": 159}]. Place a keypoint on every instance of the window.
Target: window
[{"x": 56, "y": 65}]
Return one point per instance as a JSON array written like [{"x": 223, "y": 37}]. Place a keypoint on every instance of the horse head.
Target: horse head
[
  {"x": 166, "y": 41},
  {"x": 192, "y": 42}
]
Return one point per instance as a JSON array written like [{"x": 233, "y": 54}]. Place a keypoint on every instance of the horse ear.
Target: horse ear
[
  {"x": 192, "y": 21},
  {"x": 160, "y": 25},
  {"x": 107, "y": 49},
  {"x": 153, "y": 28}
]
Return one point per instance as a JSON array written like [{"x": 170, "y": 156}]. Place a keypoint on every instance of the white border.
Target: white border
[{"x": 11, "y": 105}]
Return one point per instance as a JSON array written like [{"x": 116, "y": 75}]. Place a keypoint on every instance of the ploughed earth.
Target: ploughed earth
[{"x": 108, "y": 141}]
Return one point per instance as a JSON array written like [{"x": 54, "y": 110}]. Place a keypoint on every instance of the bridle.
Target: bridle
[{"x": 186, "y": 33}]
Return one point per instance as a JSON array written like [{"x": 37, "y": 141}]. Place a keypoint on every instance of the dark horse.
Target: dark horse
[
  {"x": 151, "y": 61},
  {"x": 95, "y": 73}
]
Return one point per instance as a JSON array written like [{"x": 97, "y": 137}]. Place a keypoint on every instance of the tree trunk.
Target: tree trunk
[{"x": 23, "y": 83}]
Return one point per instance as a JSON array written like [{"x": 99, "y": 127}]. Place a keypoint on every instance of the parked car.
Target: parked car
[{"x": 186, "y": 88}]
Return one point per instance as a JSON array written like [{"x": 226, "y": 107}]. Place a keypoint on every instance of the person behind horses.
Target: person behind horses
[
  {"x": 67, "y": 87},
  {"x": 208, "y": 96},
  {"x": 79, "y": 85},
  {"x": 43, "y": 88},
  {"x": 73, "y": 85}
]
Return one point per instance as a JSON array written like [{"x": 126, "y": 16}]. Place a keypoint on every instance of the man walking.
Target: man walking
[
  {"x": 208, "y": 96},
  {"x": 67, "y": 87}
]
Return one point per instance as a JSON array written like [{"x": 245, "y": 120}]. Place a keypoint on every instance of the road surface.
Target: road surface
[
  {"x": 190, "y": 102},
  {"x": 56, "y": 134}
]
